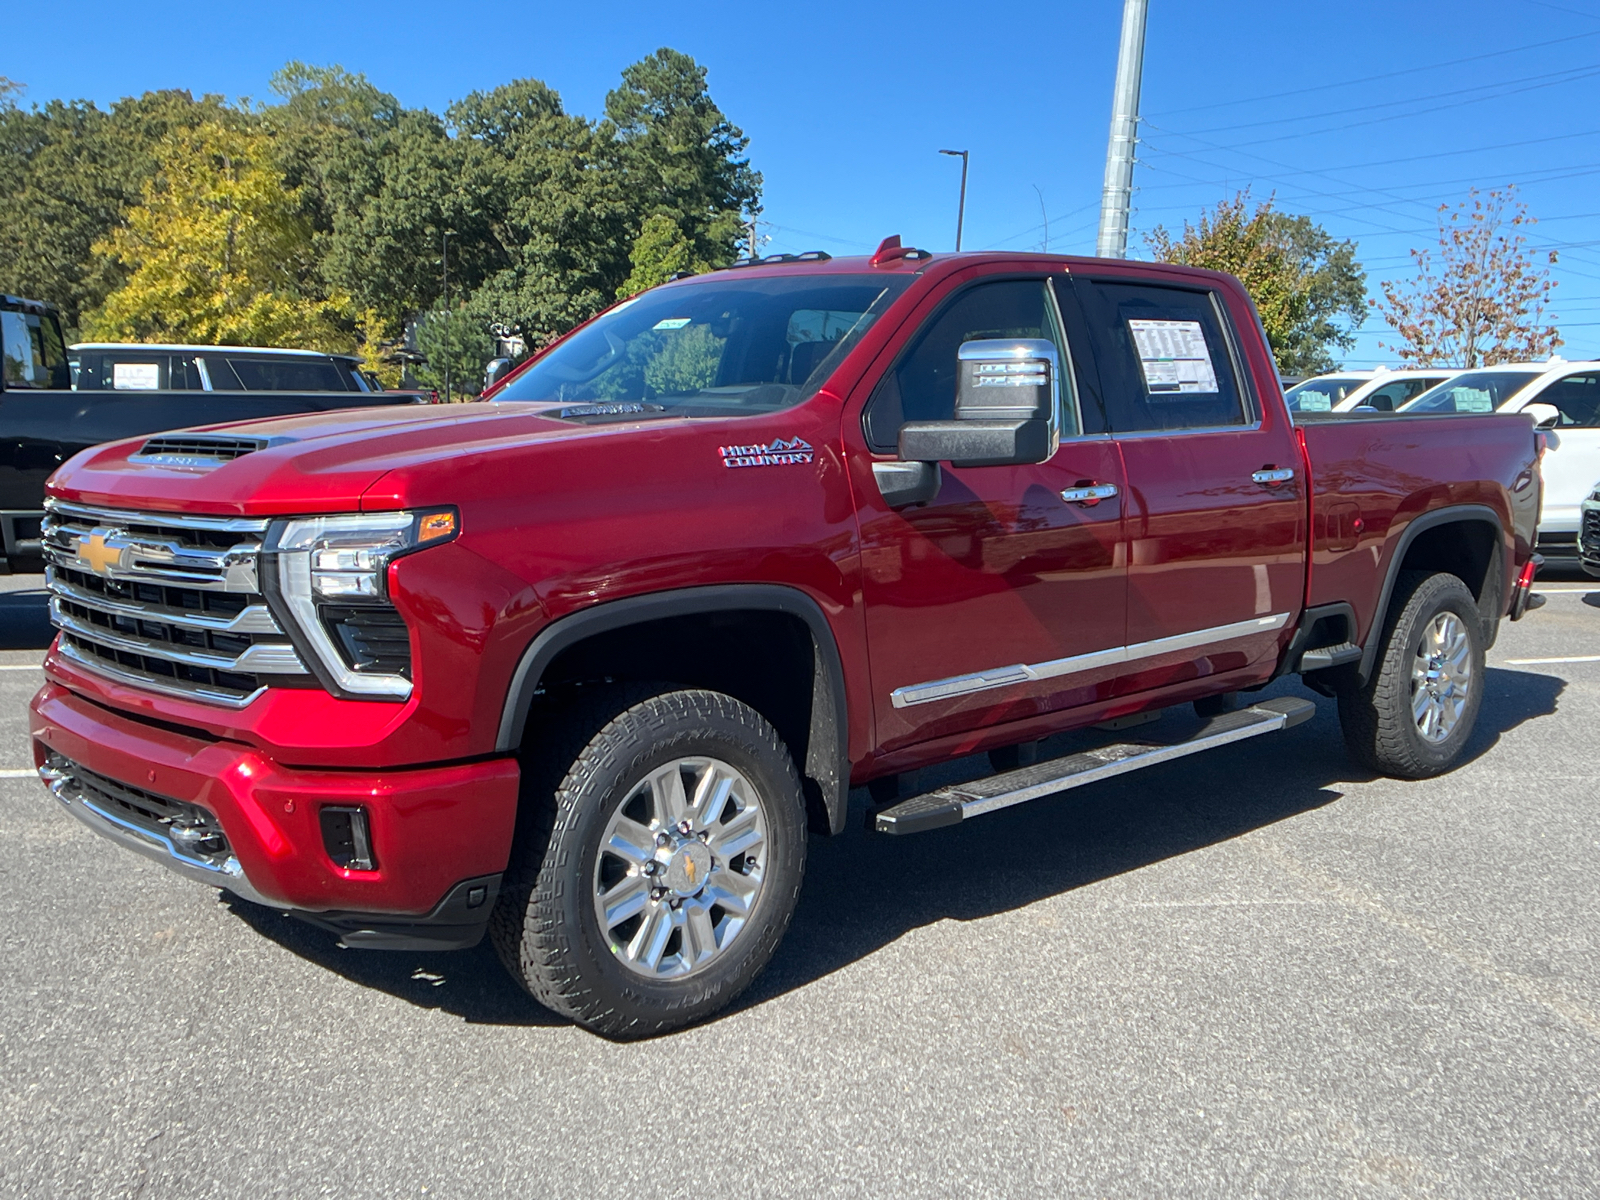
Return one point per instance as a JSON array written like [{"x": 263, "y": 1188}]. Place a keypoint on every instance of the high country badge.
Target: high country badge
[{"x": 776, "y": 453}]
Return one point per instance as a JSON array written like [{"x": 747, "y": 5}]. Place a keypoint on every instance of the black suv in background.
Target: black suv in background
[{"x": 126, "y": 367}]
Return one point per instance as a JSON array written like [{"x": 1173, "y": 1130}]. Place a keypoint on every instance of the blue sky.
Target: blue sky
[{"x": 1364, "y": 115}]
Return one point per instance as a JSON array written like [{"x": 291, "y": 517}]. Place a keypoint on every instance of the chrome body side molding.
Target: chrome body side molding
[{"x": 998, "y": 677}]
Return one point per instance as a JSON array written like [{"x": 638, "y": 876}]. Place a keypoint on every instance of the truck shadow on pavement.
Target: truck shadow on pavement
[
  {"x": 25, "y": 619},
  {"x": 863, "y": 892}
]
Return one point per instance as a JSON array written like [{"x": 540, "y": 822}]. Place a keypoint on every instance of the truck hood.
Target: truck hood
[{"x": 315, "y": 462}]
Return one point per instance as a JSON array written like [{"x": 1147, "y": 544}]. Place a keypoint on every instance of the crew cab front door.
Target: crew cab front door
[
  {"x": 1216, "y": 495},
  {"x": 991, "y": 602}
]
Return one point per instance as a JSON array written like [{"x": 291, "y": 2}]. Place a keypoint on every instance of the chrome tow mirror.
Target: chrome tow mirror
[{"x": 1006, "y": 398}]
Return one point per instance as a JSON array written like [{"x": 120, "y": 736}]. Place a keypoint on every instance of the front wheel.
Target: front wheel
[
  {"x": 1415, "y": 715},
  {"x": 670, "y": 869}
]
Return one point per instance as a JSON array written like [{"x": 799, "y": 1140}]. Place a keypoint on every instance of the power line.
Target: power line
[
  {"x": 1345, "y": 84},
  {"x": 1571, "y": 77},
  {"x": 1548, "y": 80},
  {"x": 1413, "y": 157}
]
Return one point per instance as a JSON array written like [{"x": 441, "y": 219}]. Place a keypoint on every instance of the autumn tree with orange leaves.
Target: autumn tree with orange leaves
[{"x": 1480, "y": 298}]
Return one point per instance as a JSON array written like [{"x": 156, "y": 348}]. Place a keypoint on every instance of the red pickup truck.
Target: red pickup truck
[{"x": 581, "y": 667}]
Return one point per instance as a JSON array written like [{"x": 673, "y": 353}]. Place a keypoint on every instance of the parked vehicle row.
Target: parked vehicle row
[
  {"x": 1381, "y": 390},
  {"x": 581, "y": 669}
]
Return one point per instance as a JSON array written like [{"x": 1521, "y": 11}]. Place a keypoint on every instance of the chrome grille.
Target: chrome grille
[
  {"x": 167, "y": 602},
  {"x": 1589, "y": 536}
]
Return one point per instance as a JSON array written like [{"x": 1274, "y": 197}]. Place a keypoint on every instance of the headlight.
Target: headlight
[{"x": 330, "y": 581}]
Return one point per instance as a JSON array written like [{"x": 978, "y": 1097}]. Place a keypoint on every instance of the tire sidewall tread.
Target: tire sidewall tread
[
  {"x": 544, "y": 928},
  {"x": 1379, "y": 729}
]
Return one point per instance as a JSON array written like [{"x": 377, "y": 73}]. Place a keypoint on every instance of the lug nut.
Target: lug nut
[
  {"x": 663, "y": 839},
  {"x": 704, "y": 835},
  {"x": 656, "y": 894},
  {"x": 677, "y": 903},
  {"x": 685, "y": 828},
  {"x": 651, "y": 867}
]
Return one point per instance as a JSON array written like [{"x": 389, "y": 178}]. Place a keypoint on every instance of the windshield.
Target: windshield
[
  {"x": 1473, "y": 392},
  {"x": 726, "y": 347},
  {"x": 1320, "y": 395}
]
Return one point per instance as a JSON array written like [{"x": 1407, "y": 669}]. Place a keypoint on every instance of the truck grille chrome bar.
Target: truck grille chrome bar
[{"x": 166, "y": 602}]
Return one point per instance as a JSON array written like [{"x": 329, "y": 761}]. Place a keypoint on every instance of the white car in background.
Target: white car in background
[
  {"x": 1564, "y": 400},
  {"x": 1380, "y": 389}
]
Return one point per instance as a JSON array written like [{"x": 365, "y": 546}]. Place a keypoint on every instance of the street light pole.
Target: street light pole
[
  {"x": 1117, "y": 197},
  {"x": 961, "y": 212},
  {"x": 444, "y": 263}
]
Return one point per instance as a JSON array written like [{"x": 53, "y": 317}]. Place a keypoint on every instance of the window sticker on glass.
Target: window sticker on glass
[
  {"x": 1174, "y": 356},
  {"x": 136, "y": 377},
  {"x": 672, "y": 323},
  {"x": 1473, "y": 400}
]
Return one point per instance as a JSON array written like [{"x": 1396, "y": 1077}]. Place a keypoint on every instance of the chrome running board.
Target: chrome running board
[{"x": 954, "y": 804}]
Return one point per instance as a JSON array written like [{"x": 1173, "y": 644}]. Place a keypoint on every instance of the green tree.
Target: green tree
[
  {"x": 72, "y": 171},
  {"x": 1302, "y": 280},
  {"x": 459, "y": 338},
  {"x": 218, "y": 252},
  {"x": 660, "y": 252},
  {"x": 682, "y": 155}
]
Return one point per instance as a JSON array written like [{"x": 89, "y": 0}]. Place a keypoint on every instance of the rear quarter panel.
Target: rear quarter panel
[{"x": 1373, "y": 476}]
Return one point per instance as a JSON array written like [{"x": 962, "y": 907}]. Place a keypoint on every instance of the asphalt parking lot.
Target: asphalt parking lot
[{"x": 1256, "y": 972}]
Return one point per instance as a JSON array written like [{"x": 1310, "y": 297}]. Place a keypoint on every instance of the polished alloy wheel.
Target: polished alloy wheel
[
  {"x": 680, "y": 867},
  {"x": 1441, "y": 677}
]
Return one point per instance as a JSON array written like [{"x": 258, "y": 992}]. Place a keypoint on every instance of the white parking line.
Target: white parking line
[
  {"x": 1537, "y": 662},
  {"x": 18, "y": 773},
  {"x": 21, "y": 666},
  {"x": 1570, "y": 591}
]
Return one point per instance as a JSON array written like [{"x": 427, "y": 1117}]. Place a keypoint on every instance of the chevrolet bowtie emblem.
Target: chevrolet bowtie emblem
[
  {"x": 96, "y": 554},
  {"x": 689, "y": 868}
]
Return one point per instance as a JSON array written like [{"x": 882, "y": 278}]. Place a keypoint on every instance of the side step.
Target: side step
[
  {"x": 1330, "y": 656},
  {"x": 953, "y": 804}
]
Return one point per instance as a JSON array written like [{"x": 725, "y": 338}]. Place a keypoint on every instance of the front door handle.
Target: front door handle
[
  {"x": 1273, "y": 476},
  {"x": 1089, "y": 494}
]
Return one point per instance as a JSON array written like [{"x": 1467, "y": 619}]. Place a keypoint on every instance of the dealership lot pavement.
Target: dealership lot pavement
[{"x": 1256, "y": 972}]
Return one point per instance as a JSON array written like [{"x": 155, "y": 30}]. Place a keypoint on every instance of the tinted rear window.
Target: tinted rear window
[{"x": 277, "y": 375}]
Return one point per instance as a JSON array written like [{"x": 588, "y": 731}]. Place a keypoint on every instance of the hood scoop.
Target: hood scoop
[{"x": 198, "y": 450}]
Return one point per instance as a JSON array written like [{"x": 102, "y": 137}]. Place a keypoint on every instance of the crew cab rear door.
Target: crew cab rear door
[
  {"x": 1216, "y": 490},
  {"x": 991, "y": 602}
]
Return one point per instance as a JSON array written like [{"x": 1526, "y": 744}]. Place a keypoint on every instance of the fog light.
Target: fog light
[{"x": 347, "y": 837}]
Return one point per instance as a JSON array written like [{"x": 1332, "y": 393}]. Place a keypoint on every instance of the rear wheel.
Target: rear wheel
[
  {"x": 670, "y": 867},
  {"x": 1416, "y": 714}
]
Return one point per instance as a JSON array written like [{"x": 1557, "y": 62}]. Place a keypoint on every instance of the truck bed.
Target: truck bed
[{"x": 1372, "y": 474}]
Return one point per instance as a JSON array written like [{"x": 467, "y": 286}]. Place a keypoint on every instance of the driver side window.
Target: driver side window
[
  {"x": 921, "y": 386},
  {"x": 1578, "y": 398}
]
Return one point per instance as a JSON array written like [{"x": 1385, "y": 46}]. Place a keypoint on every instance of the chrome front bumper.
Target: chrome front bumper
[{"x": 161, "y": 848}]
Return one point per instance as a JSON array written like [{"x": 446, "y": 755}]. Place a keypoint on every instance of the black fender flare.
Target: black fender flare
[
  {"x": 1453, "y": 515},
  {"x": 827, "y": 751}
]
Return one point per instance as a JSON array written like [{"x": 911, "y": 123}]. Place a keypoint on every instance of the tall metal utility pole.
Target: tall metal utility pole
[
  {"x": 961, "y": 211},
  {"x": 1117, "y": 197}
]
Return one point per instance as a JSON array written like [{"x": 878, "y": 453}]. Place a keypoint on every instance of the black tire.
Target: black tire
[
  {"x": 545, "y": 926},
  {"x": 1380, "y": 730}
]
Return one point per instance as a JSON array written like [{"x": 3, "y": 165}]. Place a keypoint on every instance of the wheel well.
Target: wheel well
[
  {"x": 765, "y": 658},
  {"x": 1466, "y": 549}
]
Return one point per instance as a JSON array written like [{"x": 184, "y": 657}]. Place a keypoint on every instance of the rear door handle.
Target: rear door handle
[
  {"x": 1089, "y": 495},
  {"x": 1273, "y": 476}
]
